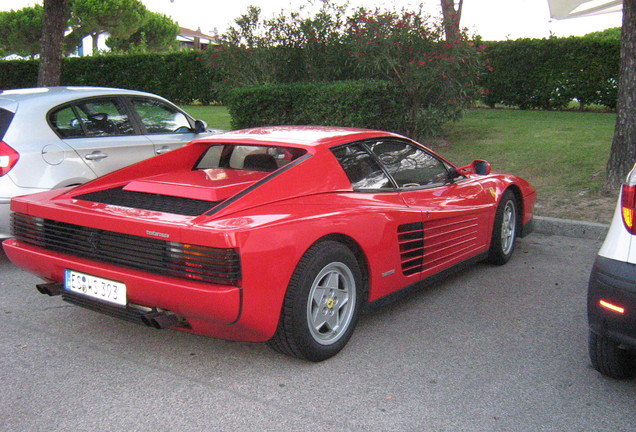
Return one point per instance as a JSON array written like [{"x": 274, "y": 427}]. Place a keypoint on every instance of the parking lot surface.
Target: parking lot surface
[{"x": 488, "y": 349}]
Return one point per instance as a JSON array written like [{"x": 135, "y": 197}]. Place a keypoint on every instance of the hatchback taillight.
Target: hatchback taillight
[
  {"x": 628, "y": 202},
  {"x": 8, "y": 158}
]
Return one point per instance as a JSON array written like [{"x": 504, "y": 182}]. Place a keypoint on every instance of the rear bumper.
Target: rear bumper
[
  {"x": 209, "y": 309},
  {"x": 614, "y": 282}
]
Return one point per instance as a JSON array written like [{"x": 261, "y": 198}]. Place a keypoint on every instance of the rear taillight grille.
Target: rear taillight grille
[{"x": 193, "y": 262}]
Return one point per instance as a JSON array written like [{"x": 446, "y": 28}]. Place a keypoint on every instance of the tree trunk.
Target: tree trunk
[
  {"x": 623, "y": 152},
  {"x": 451, "y": 17},
  {"x": 55, "y": 17},
  {"x": 95, "y": 39}
]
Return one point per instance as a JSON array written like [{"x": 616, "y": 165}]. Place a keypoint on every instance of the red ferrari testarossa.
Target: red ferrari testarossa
[{"x": 278, "y": 234}]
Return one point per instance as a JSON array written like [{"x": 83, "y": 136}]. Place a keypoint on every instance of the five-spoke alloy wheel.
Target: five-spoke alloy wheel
[
  {"x": 504, "y": 231},
  {"x": 322, "y": 303}
]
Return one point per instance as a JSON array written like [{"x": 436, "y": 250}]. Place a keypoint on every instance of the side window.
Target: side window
[
  {"x": 66, "y": 123},
  {"x": 5, "y": 120},
  {"x": 410, "y": 166},
  {"x": 160, "y": 118},
  {"x": 103, "y": 117},
  {"x": 363, "y": 171},
  {"x": 92, "y": 118}
]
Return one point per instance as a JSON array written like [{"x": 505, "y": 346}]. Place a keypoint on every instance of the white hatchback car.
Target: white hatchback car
[
  {"x": 62, "y": 136},
  {"x": 611, "y": 303}
]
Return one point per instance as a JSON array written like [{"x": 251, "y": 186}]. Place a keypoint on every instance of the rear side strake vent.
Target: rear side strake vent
[{"x": 411, "y": 242}]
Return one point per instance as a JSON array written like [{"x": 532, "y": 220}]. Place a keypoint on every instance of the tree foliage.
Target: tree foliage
[
  {"x": 129, "y": 24},
  {"x": 438, "y": 78},
  {"x": 157, "y": 34},
  {"x": 119, "y": 18},
  {"x": 20, "y": 30}
]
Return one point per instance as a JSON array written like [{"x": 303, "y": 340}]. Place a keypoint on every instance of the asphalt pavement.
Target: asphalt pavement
[{"x": 488, "y": 349}]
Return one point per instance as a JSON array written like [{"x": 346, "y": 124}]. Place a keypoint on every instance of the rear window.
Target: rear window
[
  {"x": 5, "y": 121},
  {"x": 248, "y": 157}
]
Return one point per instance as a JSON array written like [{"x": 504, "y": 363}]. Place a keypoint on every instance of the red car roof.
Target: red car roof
[{"x": 311, "y": 136}]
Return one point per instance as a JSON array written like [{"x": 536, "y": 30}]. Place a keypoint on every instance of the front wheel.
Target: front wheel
[
  {"x": 504, "y": 232},
  {"x": 322, "y": 304}
]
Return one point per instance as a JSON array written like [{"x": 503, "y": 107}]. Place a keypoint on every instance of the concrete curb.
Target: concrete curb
[{"x": 570, "y": 228}]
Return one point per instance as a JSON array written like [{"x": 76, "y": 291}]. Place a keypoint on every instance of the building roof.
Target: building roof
[{"x": 190, "y": 35}]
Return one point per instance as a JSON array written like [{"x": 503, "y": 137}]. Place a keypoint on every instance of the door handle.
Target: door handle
[
  {"x": 162, "y": 150},
  {"x": 96, "y": 155}
]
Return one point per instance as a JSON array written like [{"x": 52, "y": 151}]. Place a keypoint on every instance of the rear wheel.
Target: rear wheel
[
  {"x": 504, "y": 231},
  {"x": 322, "y": 304},
  {"x": 608, "y": 358}
]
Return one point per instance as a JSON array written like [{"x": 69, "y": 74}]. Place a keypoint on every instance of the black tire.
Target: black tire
[
  {"x": 326, "y": 286},
  {"x": 608, "y": 358},
  {"x": 504, "y": 232}
]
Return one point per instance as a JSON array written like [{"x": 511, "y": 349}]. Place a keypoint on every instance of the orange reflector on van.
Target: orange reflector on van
[{"x": 612, "y": 307}]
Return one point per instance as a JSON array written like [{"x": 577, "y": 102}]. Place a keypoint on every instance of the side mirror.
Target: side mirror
[
  {"x": 480, "y": 167},
  {"x": 200, "y": 126}
]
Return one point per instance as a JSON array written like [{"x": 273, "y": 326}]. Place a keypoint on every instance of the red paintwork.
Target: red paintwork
[
  {"x": 210, "y": 184},
  {"x": 272, "y": 226}
]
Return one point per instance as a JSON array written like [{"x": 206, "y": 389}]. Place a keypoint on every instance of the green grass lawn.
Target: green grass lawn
[
  {"x": 563, "y": 154},
  {"x": 215, "y": 116}
]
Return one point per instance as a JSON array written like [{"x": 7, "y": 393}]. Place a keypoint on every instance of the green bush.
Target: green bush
[
  {"x": 181, "y": 76},
  {"x": 18, "y": 74},
  {"x": 364, "y": 104},
  {"x": 526, "y": 73},
  {"x": 549, "y": 73}
]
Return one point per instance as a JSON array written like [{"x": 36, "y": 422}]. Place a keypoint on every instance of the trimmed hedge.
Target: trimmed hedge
[
  {"x": 18, "y": 74},
  {"x": 549, "y": 73},
  {"x": 364, "y": 104},
  {"x": 527, "y": 73},
  {"x": 181, "y": 76}
]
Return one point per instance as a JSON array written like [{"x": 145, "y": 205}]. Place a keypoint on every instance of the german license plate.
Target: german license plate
[{"x": 95, "y": 287}]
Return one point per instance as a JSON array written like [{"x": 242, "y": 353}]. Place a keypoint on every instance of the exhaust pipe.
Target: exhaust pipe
[
  {"x": 157, "y": 319},
  {"x": 52, "y": 289},
  {"x": 162, "y": 320}
]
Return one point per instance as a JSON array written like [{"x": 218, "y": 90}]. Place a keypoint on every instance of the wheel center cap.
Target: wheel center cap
[{"x": 330, "y": 303}]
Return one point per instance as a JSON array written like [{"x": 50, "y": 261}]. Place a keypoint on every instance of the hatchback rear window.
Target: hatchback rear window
[
  {"x": 248, "y": 157},
  {"x": 5, "y": 121}
]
